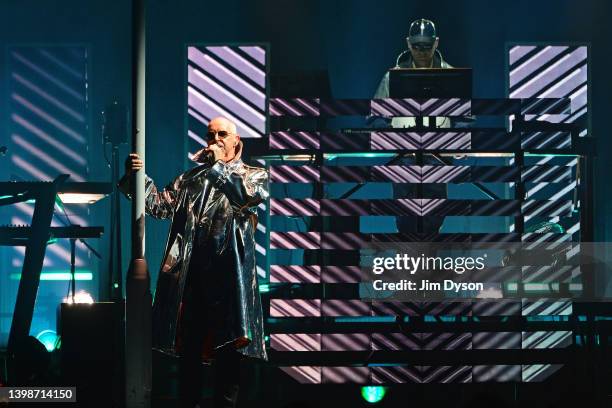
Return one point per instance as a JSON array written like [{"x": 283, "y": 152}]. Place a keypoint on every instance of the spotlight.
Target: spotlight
[
  {"x": 48, "y": 338},
  {"x": 373, "y": 394},
  {"x": 81, "y": 296}
]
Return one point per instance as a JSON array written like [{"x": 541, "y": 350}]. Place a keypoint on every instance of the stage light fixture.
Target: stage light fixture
[
  {"x": 49, "y": 339},
  {"x": 81, "y": 296},
  {"x": 373, "y": 393}
]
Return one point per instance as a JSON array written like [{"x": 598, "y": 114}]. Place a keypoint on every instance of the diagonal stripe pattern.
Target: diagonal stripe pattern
[{"x": 227, "y": 81}]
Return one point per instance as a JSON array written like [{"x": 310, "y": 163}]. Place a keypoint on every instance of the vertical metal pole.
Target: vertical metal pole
[{"x": 138, "y": 295}]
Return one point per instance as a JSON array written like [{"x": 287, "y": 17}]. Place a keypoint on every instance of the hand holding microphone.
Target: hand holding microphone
[{"x": 213, "y": 153}]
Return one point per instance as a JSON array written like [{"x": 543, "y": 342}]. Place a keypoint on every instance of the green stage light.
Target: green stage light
[
  {"x": 49, "y": 339},
  {"x": 373, "y": 394},
  {"x": 80, "y": 275},
  {"x": 263, "y": 288}
]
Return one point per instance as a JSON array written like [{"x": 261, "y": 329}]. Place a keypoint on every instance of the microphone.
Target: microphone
[
  {"x": 210, "y": 156},
  {"x": 204, "y": 155}
]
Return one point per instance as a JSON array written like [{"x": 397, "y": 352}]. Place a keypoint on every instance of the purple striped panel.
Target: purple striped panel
[
  {"x": 291, "y": 206},
  {"x": 345, "y": 207},
  {"x": 399, "y": 207},
  {"x": 46, "y": 113},
  {"x": 432, "y": 174},
  {"x": 394, "y": 141},
  {"x": 496, "y": 340},
  {"x": 422, "y": 374},
  {"x": 411, "y": 107},
  {"x": 546, "y": 307},
  {"x": 557, "y": 71},
  {"x": 331, "y": 174},
  {"x": 539, "y": 372},
  {"x": 548, "y": 273},
  {"x": 415, "y": 140},
  {"x": 397, "y": 174},
  {"x": 257, "y": 53},
  {"x": 546, "y": 140},
  {"x": 446, "y": 341},
  {"x": 295, "y": 342},
  {"x": 497, "y": 308},
  {"x": 446, "y": 374},
  {"x": 343, "y": 240},
  {"x": 546, "y": 208},
  {"x": 341, "y": 274},
  {"x": 546, "y": 339},
  {"x": 546, "y": 173},
  {"x": 294, "y": 107},
  {"x": 304, "y": 374},
  {"x": 533, "y": 64},
  {"x": 294, "y": 240},
  {"x": 433, "y": 207},
  {"x": 396, "y": 341},
  {"x": 295, "y": 308},
  {"x": 446, "y": 107},
  {"x": 226, "y": 81},
  {"x": 430, "y": 205},
  {"x": 518, "y": 52},
  {"x": 345, "y": 308},
  {"x": 295, "y": 273},
  {"x": 395, "y": 107},
  {"x": 231, "y": 56},
  {"x": 496, "y": 373},
  {"x": 294, "y": 140},
  {"x": 340, "y": 375},
  {"x": 548, "y": 74},
  {"x": 446, "y": 140},
  {"x": 294, "y": 174},
  {"x": 345, "y": 341},
  {"x": 396, "y": 374},
  {"x": 206, "y": 84}
]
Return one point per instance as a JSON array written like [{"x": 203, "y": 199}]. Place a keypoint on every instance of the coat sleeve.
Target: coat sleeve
[
  {"x": 158, "y": 204},
  {"x": 244, "y": 191}
]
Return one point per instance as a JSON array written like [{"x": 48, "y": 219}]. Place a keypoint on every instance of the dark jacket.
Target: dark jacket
[
  {"x": 192, "y": 200},
  {"x": 404, "y": 60}
]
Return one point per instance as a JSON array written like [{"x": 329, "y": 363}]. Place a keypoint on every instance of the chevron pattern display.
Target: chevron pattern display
[{"x": 337, "y": 192}]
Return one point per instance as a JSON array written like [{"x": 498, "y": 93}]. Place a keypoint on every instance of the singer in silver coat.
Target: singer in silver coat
[{"x": 211, "y": 244}]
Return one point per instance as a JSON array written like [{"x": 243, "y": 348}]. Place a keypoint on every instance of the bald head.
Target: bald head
[
  {"x": 222, "y": 132},
  {"x": 220, "y": 123}
]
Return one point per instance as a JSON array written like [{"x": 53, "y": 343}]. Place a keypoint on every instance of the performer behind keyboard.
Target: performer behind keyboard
[{"x": 422, "y": 52}]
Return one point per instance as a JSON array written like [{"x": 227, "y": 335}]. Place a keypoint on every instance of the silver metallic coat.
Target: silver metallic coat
[{"x": 193, "y": 200}]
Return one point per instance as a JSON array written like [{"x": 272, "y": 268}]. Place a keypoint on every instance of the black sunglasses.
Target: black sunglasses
[
  {"x": 422, "y": 47},
  {"x": 210, "y": 135}
]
